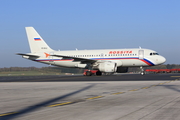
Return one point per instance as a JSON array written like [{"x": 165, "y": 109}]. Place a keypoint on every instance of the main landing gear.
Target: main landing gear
[
  {"x": 98, "y": 73},
  {"x": 142, "y": 71},
  {"x": 88, "y": 73}
]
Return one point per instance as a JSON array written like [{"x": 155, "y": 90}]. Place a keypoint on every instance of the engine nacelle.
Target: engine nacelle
[
  {"x": 122, "y": 69},
  {"x": 107, "y": 67}
]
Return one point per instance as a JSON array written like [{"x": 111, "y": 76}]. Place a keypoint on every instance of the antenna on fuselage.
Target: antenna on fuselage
[{"x": 139, "y": 47}]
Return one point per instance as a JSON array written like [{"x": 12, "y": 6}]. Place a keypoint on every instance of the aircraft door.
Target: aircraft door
[
  {"x": 102, "y": 55},
  {"x": 141, "y": 54}
]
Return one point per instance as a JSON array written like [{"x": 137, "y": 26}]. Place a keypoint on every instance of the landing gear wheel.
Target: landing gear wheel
[
  {"x": 142, "y": 71},
  {"x": 88, "y": 73},
  {"x": 98, "y": 73}
]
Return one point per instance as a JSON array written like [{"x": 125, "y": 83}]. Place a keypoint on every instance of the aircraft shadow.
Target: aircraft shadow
[
  {"x": 39, "y": 105},
  {"x": 172, "y": 87}
]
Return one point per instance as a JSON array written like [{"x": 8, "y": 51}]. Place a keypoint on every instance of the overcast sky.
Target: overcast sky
[{"x": 90, "y": 24}]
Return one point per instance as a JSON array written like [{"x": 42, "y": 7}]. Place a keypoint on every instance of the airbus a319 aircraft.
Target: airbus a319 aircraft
[{"x": 104, "y": 61}]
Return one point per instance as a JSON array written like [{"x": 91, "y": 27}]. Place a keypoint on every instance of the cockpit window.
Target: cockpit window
[{"x": 154, "y": 54}]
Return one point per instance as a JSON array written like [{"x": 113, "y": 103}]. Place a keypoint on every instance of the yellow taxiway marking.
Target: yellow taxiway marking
[
  {"x": 168, "y": 82},
  {"x": 134, "y": 90},
  {"x": 60, "y": 104},
  {"x": 95, "y": 97},
  {"x": 5, "y": 114},
  {"x": 175, "y": 76},
  {"x": 118, "y": 93},
  {"x": 161, "y": 83},
  {"x": 145, "y": 88}
]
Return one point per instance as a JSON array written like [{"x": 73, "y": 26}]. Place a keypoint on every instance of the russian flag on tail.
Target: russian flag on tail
[{"x": 37, "y": 39}]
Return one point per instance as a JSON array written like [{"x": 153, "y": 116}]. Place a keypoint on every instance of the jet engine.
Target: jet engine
[{"x": 106, "y": 67}]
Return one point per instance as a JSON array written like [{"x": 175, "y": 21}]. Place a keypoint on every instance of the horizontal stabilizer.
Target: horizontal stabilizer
[{"x": 30, "y": 55}]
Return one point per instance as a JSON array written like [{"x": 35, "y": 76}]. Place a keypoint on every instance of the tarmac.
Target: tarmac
[{"x": 117, "y": 97}]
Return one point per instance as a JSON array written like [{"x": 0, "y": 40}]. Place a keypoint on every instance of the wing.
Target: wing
[{"x": 82, "y": 60}]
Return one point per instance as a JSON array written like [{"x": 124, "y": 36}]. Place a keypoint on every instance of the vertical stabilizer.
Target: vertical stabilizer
[{"x": 36, "y": 43}]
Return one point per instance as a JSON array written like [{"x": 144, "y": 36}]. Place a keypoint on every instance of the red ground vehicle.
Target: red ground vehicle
[
  {"x": 152, "y": 71},
  {"x": 90, "y": 72},
  {"x": 95, "y": 72},
  {"x": 175, "y": 70},
  {"x": 162, "y": 70}
]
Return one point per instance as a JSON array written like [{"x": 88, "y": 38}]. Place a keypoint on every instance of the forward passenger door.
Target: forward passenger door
[{"x": 141, "y": 54}]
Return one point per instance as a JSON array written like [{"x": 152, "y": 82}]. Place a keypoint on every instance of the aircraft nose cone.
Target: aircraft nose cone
[{"x": 162, "y": 60}]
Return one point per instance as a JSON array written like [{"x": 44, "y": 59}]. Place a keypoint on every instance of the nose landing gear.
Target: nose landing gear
[{"x": 142, "y": 71}]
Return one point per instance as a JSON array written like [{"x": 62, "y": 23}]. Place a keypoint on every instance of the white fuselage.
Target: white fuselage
[{"x": 123, "y": 57}]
